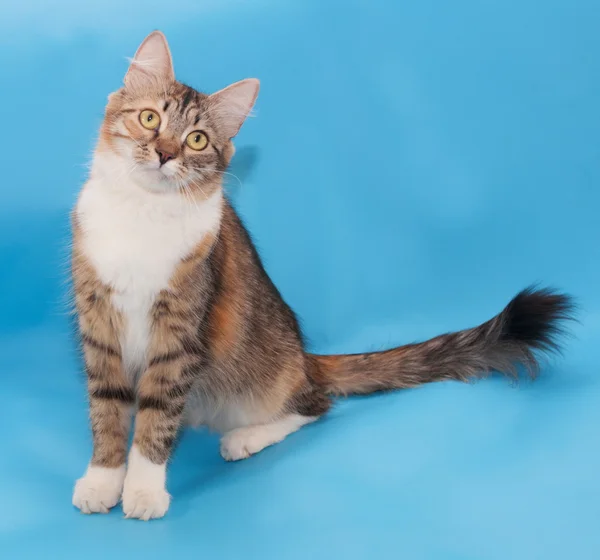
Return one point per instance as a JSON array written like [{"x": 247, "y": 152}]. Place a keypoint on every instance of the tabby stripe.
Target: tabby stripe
[
  {"x": 90, "y": 341},
  {"x": 162, "y": 306},
  {"x": 122, "y": 394},
  {"x": 186, "y": 99},
  {"x": 157, "y": 453},
  {"x": 193, "y": 347},
  {"x": 221, "y": 157},
  {"x": 168, "y": 441},
  {"x": 189, "y": 110},
  {"x": 178, "y": 329},
  {"x": 158, "y": 403},
  {"x": 178, "y": 391},
  {"x": 168, "y": 357},
  {"x": 172, "y": 389},
  {"x": 153, "y": 403}
]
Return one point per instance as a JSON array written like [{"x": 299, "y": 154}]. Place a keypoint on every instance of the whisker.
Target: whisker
[
  {"x": 187, "y": 193},
  {"x": 126, "y": 172},
  {"x": 134, "y": 140},
  {"x": 219, "y": 172},
  {"x": 199, "y": 188}
]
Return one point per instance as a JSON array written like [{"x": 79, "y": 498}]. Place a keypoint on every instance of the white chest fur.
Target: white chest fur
[{"x": 135, "y": 238}]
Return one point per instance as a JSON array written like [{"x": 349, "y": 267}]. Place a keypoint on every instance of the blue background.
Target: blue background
[{"x": 411, "y": 167}]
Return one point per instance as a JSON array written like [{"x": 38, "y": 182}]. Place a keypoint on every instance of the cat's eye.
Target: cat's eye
[
  {"x": 197, "y": 140},
  {"x": 149, "y": 119}
]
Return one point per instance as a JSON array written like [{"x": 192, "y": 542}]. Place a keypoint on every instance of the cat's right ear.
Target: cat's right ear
[{"x": 152, "y": 63}]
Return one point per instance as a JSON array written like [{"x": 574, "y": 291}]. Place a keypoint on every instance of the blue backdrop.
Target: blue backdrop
[{"x": 412, "y": 166}]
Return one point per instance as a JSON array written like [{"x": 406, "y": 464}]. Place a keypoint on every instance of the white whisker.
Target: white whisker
[
  {"x": 134, "y": 140},
  {"x": 219, "y": 172}
]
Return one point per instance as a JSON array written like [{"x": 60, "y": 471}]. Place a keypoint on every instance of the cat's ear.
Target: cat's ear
[
  {"x": 152, "y": 63},
  {"x": 233, "y": 104}
]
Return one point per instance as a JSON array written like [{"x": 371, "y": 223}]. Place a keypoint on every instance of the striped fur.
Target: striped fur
[
  {"x": 111, "y": 395},
  {"x": 179, "y": 320}
]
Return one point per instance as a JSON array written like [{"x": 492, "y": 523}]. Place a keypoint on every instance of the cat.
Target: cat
[{"x": 180, "y": 323}]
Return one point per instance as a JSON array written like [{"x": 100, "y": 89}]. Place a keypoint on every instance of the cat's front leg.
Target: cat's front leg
[
  {"x": 161, "y": 399},
  {"x": 111, "y": 399},
  {"x": 162, "y": 393}
]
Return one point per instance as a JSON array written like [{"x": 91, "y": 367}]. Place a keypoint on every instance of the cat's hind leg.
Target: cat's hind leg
[{"x": 242, "y": 442}]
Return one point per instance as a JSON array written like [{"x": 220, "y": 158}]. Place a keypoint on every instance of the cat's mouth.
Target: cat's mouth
[
  {"x": 165, "y": 173},
  {"x": 163, "y": 169},
  {"x": 168, "y": 172},
  {"x": 167, "y": 177}
]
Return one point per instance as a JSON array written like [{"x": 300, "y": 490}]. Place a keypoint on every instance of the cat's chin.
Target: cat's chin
[{"x": 154, "y": 180}]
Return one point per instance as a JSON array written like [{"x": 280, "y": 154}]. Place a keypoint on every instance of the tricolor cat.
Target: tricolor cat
[{"x": 180, "y": 323}]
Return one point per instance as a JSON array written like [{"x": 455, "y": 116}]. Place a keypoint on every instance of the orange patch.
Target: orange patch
[
  {"x": 225, "y": 320},
  {"x": 224, "y": 326}
]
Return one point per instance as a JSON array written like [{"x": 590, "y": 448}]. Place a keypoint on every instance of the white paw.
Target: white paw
[
  {"x": 99, "y": 489},
  {"x": 145, "y": 503},
  {"x": 243, "y": 442},
  {"x": 144, "y": 494}
]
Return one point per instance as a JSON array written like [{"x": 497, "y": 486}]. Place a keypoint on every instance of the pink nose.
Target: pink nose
[{"x": 163, "y": 156}]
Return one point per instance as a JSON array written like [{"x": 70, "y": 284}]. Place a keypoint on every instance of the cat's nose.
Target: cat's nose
[{"x": 164, "y": 156}]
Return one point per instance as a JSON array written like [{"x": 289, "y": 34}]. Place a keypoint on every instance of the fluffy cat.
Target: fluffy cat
[{"x": 179, "y": 322}]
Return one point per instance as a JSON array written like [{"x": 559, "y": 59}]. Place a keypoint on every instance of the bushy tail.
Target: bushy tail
[{"x": 531, "y": 322}]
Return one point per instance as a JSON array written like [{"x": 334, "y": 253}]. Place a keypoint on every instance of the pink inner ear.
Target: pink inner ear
[
  {"x": 152, "y": 63},
  {"x": 233, "y": 104}
]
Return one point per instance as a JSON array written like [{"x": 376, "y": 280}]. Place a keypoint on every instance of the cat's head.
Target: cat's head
[{"x": 168, "y": 136}]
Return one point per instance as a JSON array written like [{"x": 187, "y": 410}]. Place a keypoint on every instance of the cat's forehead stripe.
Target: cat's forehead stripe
[
  {"x": 189, "y": 95},
  {"x": 183, "y": 102}
]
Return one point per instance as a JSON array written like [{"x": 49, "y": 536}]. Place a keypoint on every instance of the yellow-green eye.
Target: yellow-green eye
[
  {"x": 149, "y": 119},
  {"x": 197, "y": 140}
]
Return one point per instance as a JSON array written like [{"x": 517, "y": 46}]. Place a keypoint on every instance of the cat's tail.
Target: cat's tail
[{"x": 530, "y": 323}]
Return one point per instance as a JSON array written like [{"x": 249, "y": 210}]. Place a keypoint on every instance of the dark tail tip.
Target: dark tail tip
[{"x": 536, "y": 317}]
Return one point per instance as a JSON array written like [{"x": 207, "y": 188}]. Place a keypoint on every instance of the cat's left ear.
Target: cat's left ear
[
  {"x": 151, "y": 64},
  {"x": 233, "y": 104}
]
